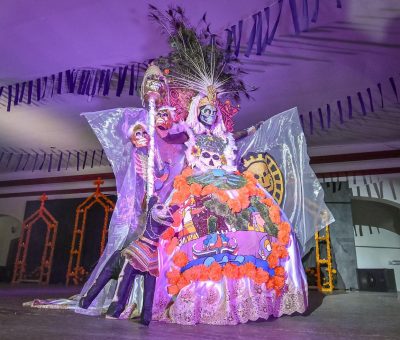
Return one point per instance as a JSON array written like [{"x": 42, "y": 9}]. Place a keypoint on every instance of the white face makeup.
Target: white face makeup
[{"x": 208, "y": 114}]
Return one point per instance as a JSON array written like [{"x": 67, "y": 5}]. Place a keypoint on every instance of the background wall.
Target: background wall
[
  {"x": 342, "y": 236},
  {"x": 377, "y": 248},
  {"x": 10, "y": 228}
]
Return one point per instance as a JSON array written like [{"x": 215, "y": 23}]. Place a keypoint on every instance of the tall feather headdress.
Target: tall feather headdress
[{"x": 197, "y": 61}]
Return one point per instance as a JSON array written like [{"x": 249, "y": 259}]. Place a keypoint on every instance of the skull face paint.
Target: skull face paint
[
  {"x": 208, "y": 115},
  {"x": 139, "y": 137}
]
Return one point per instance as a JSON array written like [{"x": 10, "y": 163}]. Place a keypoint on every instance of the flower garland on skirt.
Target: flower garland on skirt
[{"x": 184, "y": 190}]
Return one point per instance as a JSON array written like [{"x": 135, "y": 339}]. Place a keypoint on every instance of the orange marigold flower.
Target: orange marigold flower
[
  {"x": 173, "y": 276},
  {"x": 285, "y": 226},
  {"x": 168, "y": 234},
  {"x": 204, "y": 271},
  {"x": 215, "y": 272},
  {"x": 208, "y": 189},
  {"x": 185, "y": 190},
  {"x": 275, "y": 214},
  {"x": 249, "y": 270},
  {"x": 279, "y": 282},
  {"x": 173, "y": 290},
  {"x": 268, "y": 202},
  {"x": 283, "y": 253},
  {"x": 243, "y": 191},
  {"x": 177, "y": 217},
  {"x": 279, "y": 250},
  {"x": 261, "y": 276},
  {"x": 195, "y": 189},
  {"x": 182, "y": 282},
  {"x": 180, "y": 196},
  {"x": 187, "y": 172},
  {"x": 249, "y": 176},
  {"x": 242, "y": 271},
  {"x": 272, "y": 260},
  {"x": 171, "y": 246},
  {"x": 222, "y": 196},
  {"x": 279, "y": 271},
  {"x": 178, "y": 181},
  {"x": 270, "y": 284},
  {"x": 195, "y": 273},
  {"x": 234, "y": 205},
  {"x": 180, "y": 259},
  {"x": 251, "y": 189},
  {"x": 283, "y": 237},
  {"x": 231, "y": 271},
  {"x": 260, "y": 192},
  {"x": 244, "y": 202},
  {"x": 187, "y": 274}
]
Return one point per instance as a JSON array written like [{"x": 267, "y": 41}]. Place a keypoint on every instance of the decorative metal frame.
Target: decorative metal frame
[
  {"x": 23, "y": 245},
  {"x": 327, "y": 285},
  {"x": 76, "y": 272}
]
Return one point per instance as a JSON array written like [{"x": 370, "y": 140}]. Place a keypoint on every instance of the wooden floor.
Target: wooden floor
[{"x": 343, "y": 315}]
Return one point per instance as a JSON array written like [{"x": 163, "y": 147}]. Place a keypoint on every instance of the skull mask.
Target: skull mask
[
  {"x": 163, "y": 119},
  {"x": 161, "y": 214},
  {"x": 208, "y": 115},
  {"x": 139, "y": 137},
  {"x": 155, "y": 87}
]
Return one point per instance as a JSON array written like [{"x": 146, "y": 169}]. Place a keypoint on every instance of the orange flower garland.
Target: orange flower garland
[
  {"x": 195, "y": 189},
  {"x": 275, "y": 214},
  {"x": 180, "y": 259},
  {"x": 183, "y": 191},
  {"x": 215, "y": 271}
]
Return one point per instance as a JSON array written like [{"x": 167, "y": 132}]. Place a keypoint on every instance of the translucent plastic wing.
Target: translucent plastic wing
[{"x": 277, "y": 155}]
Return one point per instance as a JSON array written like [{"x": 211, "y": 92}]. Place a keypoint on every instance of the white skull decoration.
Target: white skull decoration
[
  {"x": 164, "y": 117},
  {"x": 209, "y": 152},
  {"x": 210, "y": 159},
  {"x": 154, "y": 85},
  {"x": 139, "y": 136}
]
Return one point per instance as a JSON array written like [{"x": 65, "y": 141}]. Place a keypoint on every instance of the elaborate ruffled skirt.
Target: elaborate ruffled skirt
[{"x": 233, "y": 257}]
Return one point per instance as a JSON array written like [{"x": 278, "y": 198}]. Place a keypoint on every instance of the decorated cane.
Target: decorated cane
[{"x": 153, "y": 91}]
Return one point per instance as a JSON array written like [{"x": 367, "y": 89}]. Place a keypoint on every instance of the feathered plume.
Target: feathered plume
[{"x": 197, "y": 60}]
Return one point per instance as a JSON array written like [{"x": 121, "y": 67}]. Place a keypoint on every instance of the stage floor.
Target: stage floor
[{"x": 342, "y": 315}]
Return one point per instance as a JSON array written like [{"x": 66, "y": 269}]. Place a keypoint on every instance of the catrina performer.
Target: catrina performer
[{"x": 230, "y": 255}]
